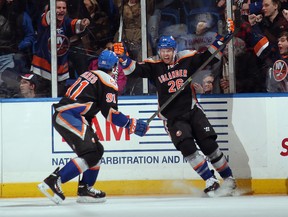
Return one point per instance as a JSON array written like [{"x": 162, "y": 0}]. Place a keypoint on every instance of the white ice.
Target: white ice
[{"x": 144, "y": 206}]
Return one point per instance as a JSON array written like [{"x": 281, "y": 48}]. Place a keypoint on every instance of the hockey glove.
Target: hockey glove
[
  {"x": 120, "y": 49},
  {"x": 230, "y": 26},
  {"x": 220, "y": 39},
  {"x": 138, "y": 127}
]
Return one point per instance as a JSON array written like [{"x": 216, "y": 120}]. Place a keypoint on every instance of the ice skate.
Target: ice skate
[
  {"x": 212, "y": 184},
  {"x": 53, "y": 182},
  {"x": 87, "y": 194},
  {"x": 228, "y": 187}
]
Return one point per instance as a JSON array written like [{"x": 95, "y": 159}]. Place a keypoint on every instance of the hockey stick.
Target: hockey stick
[
  {"x": 169, "y": 100},
  {"x": 120, "y": 31}
]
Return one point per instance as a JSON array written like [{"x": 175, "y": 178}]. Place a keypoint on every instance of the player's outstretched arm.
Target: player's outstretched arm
[{"x": 135, "y": 126}]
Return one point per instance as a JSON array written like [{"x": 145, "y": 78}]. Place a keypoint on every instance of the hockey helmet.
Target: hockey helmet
[
  {"x": 167, "y": 42},
  {"x": 107, "y": 60}
]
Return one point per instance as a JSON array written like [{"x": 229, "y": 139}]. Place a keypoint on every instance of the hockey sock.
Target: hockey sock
[
  {"x": 90, "y": 176},
  {"x": 72, "y": 169},
  {"x": 220, "y": 163},
  {"x": 200, "y": 165}
]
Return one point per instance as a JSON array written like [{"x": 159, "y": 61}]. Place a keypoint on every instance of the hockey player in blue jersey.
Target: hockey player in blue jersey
[{"x": 93, "y": 91}]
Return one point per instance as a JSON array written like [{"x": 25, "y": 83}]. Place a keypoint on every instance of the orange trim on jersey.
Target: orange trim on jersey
[
  {"x": 75, "y": 105},
  {"x": 260, "y": 45},
  {"x": 81, "y": 133},
  {"x": 152, "y": 61},
  {"x": 194, "y": 93},
  {"x": 42, "y": 63},
  {"x": 187, "y": 55},
  {"x": 112, "y": 111},
  {"x": 73, "y": 25},
  {"x": 68, "y": 92},
  {"x": 212, "y": 49},
  {"x": 103, "y": 80},
  {"x": 44, "y": 19},
  {"x": 72, "y": 106}
]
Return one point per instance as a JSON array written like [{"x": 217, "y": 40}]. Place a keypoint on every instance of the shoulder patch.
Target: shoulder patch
[
  {"x": 186, "y": 53},
  {"x": 106, "y": 79},
  {"x": 153, "y": 59}
]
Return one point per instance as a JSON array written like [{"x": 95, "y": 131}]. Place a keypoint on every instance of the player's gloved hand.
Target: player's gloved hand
[
  {"x": 137, "y": 127},
  {"x": 120, "y": 50},
  {"x": 230, "y": 26},
  {"x": 230, "y": 29},
  {"x": 220, "y": 39}
]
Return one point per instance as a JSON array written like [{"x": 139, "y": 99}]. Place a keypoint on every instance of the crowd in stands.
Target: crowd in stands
[{"x": 86, "y": 27}]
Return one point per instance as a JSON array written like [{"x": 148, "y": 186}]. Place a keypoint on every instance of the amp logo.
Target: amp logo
[
  {"x": 109, "y": 135},
  {"x": 105, "y": 132}
]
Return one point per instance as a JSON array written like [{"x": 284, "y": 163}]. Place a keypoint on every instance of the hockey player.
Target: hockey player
[
  {"x": 185, "y": 119},
  {"x": 93, "y": 91}
]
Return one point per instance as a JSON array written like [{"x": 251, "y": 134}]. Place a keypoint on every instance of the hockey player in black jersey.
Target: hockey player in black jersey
[
  {"x": 184, "y": 117},
  {"x": 92, "y": 92}
]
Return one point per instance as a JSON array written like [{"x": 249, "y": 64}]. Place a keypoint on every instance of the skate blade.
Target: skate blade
[
  {"x": 87, "y": 199},
  {"x": 210, "y": 194},
  {"x": 43, "y": 187},
  {"x": 222, "y": 192}
]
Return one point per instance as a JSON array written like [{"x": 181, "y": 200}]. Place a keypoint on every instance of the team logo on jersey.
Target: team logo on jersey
[
  {"x": 63, "y": 44},
  {"x": 280, "y": 70},
  {"x": 113, "y": 82},
  {"x": 178, "y": 133}
]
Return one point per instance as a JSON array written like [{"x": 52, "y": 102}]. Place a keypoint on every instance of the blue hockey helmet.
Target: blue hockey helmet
[
  {"x": 107, "y": 60},
  {"x": 167, "y": 42}
]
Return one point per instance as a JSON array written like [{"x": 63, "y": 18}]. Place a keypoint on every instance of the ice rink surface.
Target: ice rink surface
[{"x": 148, "y": 206}]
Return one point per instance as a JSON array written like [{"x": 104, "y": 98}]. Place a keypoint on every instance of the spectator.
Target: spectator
[
  {"x": 35, "y": 9},
  {"x": 132, "y": 28},
  {"x": 99, "y": 33},
  {"x": 16, "y": 39},
  {"x": 277, "y": 80},
  {"x": 93, "y": 40},
  {"x": 131, "y": 34},
  {"x": 250, "y": 78},
  {"x": 207, "y": 85},
  {"x": 41, "y": 63},
  {"x": 78, "y": 56},
  {"x": 28, "y": 85},
  {"x": 272, "y": 23}
]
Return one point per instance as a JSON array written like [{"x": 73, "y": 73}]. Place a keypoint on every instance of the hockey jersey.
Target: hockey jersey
[
  {"x": 94, "y": 90},
  {"x": 170, "y": 78},
  {"x": 277, "y": 79},
  {"x": 41, "y": 63}
]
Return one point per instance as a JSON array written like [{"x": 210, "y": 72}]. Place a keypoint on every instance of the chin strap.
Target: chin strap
[{"x": 115, "y": 72}]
